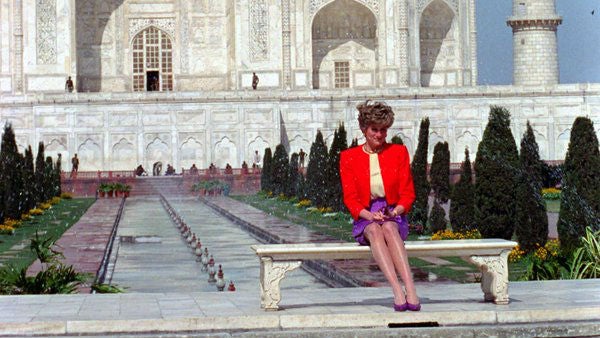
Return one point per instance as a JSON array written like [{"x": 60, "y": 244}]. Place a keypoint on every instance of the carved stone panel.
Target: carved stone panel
[
  {"x": 46, "y": 31},
  {"x": 259, "y": 30},
  {"x": 315, "y": 5}
]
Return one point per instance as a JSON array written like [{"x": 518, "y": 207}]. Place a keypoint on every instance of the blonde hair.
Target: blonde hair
[{"x": 374, "y": 113}]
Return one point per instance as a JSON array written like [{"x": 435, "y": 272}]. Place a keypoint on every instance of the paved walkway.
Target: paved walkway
[{"x": 551, "y": 308}]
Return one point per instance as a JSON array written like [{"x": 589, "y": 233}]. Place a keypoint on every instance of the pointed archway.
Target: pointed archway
[
  {"x": 438, "y": 39},
  {"x": 344, "y": 46}
]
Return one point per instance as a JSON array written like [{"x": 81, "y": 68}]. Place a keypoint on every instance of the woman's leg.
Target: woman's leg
[
  {"x": 381, "y": 253},
  {"x": 399, "y": 257}
]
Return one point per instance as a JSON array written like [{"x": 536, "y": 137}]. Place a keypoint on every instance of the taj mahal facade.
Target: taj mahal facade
[{"x": 171, "y": 80}]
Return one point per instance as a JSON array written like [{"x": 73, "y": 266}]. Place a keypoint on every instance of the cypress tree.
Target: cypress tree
[
  {"x": 280, "y": 170},
  {"x": 49, "y": 188},
  {"x": 316, "y": 173},
  {"x": 462, "y": 205},
  {"x": 532, "y": 220},
  {"x": 40, "y": 166},
  {"x": 293, "y": 186},
  {"x": 397, "y": 140},
  {"x": 496, "y": 167},
  {"x": 437, "y": 217},
  {"x": 29, "y": 180},
  {"x": 580, "y": 198},
  {"x": 354, "y": 143},
  {"x": 57, "y": 177},
  {"x": 10, "y": 175},
  {"x": 418, "y": 214},
  {"x": 440, "y": 172},
  {"x": 267, "y": 172},
  {"x": 440, "y": 184},
  {"x": 339, "y": 144}
]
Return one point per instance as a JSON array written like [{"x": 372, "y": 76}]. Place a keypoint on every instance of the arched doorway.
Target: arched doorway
[
  {"x": 438, "y": 36},
  {"x": 152, "y": 61},
  {"x": 344, "y": 46}
]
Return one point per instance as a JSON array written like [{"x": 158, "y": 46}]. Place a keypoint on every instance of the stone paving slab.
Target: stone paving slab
[
  {"x": 323, "y": 309},
  {"x": 83, "y": 245}
]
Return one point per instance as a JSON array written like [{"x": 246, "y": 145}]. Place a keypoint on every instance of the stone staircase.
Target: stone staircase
[{"x": 153, "y": 185}]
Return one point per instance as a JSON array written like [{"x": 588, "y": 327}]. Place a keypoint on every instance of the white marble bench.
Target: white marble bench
[{"x": 490, "y": 255}]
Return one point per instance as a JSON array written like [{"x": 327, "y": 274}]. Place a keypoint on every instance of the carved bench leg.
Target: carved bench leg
[
  {"x": 271, "y": 274},
  {"x": 494, "y": 276}
]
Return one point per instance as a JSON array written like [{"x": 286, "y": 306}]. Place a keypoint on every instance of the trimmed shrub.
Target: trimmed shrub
[
  {"x": 580, "y": 200},
  {"x": 496, "y": 167},
  {"x": 437, "y": 218},
  {"x": 266, "y": 173},
  {"x": 462, "y": 206},
  {"x": 316, "y": 173},
  {"x": 532, "y": 220},
  {"x": 418, "y": 214},
  {"x": 280, "y": 170},
  {"x": 334, "y": 187}
]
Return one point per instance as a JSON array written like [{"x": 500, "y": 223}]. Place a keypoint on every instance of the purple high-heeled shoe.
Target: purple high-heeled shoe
[
  {"x": 400, "y": 308},
  {"x": 413, "y": 307}
]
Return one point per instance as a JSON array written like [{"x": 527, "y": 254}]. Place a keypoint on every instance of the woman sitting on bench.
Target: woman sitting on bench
[{"x": 378, "y": 191}]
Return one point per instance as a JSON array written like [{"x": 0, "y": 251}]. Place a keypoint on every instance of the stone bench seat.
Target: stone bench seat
[{"x": 490, "y": 255}]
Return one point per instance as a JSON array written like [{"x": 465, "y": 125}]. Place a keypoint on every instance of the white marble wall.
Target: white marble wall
[
  {"x": 117, "y": 131},
  {"x": 217, "y": 44}
]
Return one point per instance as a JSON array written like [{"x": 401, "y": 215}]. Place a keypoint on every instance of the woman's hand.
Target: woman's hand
[
  {"x": 377, "y": 216},
  {"x": 398, "y": 210}
]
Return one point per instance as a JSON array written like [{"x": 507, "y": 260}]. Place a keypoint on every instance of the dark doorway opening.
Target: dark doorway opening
[{"x": 152, "y": 81}]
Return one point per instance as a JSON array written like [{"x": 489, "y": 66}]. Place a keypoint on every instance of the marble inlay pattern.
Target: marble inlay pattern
[
  {"x": 315, "y": 5},
  {"x": 165, "y": 24},
  {"x": 46, "y": 31},
  {"x": 259, "y": 30}
]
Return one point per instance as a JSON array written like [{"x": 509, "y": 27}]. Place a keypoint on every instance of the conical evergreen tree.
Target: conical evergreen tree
[
  {"x": 29, "y": 180},
  {"x": 532, "y": 220},
  {"x": 580, "y": 198},
  {"x": 57, "y": 177},
  {"x": 40, "y": 169},
  {"x": 440, "y": 172},
  {"x": 418, "y": 214},
  {"x": 293, "y": 186},
  {"x": 339, "y": 144},
  {"x": 437, "y": 218},
  {"x": 316, "y": 173},
  {"x": 440, "y": 184},
  {"x": 496, "y": 168},
  {"x": 266, "y": 174},
  {"x": 354, "y": 143},
  {"x": 10, "y": 176},
  {"x": 281, "y": 168},
  {"x": 49, "y": 181},
  {"x": 462, "y": 206}
]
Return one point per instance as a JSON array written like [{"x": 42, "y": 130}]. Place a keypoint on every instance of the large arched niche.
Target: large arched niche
[
  {"x": 344, "y": 33},
  {"x": 95, "y": 40},
  {"x": 438, "y": 40}
]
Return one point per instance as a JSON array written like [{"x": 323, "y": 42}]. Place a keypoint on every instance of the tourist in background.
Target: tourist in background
[{"x": 378, "y": 191}]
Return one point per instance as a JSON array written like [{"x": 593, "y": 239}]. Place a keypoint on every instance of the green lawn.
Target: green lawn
[{"x": 14, "y": 249}]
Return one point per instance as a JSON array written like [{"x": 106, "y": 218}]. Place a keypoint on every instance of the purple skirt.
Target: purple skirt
[{"x": 379, "y": 204}]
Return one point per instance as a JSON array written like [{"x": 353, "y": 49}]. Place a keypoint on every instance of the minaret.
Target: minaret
[{"x": 535, "y": 55}]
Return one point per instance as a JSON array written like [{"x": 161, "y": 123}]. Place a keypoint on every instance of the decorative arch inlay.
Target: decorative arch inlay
[
  {"x": 421, "y": 4},
  {"x": 138, "y": 25},
  {"x": 316, "y": 5}
]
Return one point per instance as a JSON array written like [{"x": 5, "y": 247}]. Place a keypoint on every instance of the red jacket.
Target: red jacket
[{"x": 395, "y": 172}]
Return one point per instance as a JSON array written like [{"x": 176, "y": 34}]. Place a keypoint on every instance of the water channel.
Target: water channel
[{"x": 149, "y": 254}]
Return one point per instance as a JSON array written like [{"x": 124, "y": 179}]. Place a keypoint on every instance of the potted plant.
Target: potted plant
[
  {"x": 102, "y": 190},
  {"x": 126, "y": 189}
]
